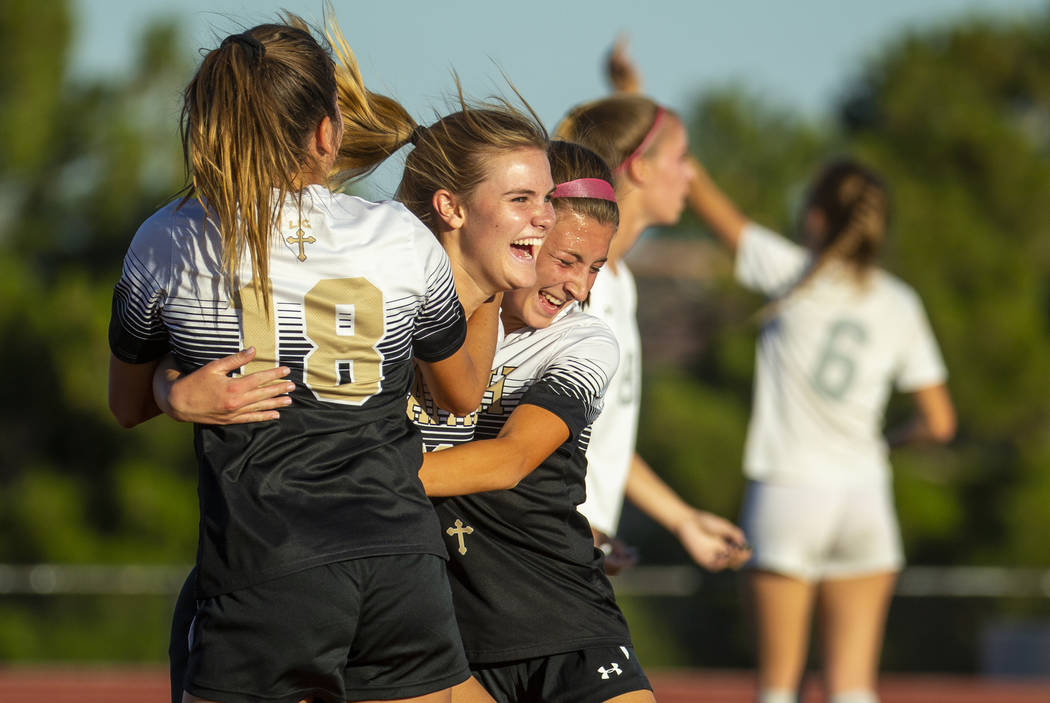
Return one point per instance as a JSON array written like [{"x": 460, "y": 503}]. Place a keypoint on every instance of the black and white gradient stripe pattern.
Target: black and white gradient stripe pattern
[
  {"x": 435, "y": 319},
  {"x": 580, "y": 379}
]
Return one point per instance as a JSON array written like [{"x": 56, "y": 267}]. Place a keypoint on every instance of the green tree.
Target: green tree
[
  {"x": 957, "y": 119},
  {"x": 81, "y": 165}
]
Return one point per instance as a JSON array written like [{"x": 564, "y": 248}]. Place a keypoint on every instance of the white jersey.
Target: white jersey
[
  {"x": 614, "y": 301},
  {"x": 826, "y": 362}
]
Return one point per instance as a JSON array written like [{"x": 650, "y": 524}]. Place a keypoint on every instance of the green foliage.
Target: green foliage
[
  {"x": 81, "y": 165},
  {"x": 698, "y": 448},
  {"x": 957, "y": 120},
  {"x": 114, "y": 629}
]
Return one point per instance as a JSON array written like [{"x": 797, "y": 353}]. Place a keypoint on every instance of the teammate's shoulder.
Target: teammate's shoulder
[
  {"x": 577, "y": 316},
  {"x": 357, "y": 206},
  {"x": 392, "y": 216},
  {"x": 171, "y": 220},
  {"x": 577, "y": 324}
]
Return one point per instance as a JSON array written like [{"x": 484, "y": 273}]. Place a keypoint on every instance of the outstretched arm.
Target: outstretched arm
[
  {"x": 934, "y": 420},
  {"x": 714, "y": 207},
  {"x": 530, "y": 435},
  {"x": 712, "y": 541},
  {"x": 458, "y": 382}
]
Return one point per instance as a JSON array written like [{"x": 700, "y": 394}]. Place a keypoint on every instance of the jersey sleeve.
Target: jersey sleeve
[
  {"x": 137, "y": 334},
  {"x": 573, "y": 384},
  {"x": 767, "y": 262},
  {"x": 921, "y": 364},
  {"x": 441, "y": 326}
]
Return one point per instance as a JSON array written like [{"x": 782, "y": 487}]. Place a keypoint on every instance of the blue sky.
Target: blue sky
[{"x": 797, "y": 53}]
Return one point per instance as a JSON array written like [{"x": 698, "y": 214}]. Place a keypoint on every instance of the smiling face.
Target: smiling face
[
  {"x": 506, "y": 219},
  {"x": 669, "y": 173},
  {"x": 570, "y": 258}
]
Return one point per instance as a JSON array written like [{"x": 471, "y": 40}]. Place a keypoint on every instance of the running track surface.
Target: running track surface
[{"x": 63, "y": 685}]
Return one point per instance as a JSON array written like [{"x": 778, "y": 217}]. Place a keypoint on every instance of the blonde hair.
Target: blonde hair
[
  {"x": 613, "y": 127},
  {"x": 250, "y": 110},
  {"x": 374, "y": 125},
  {"x": 247, "y": 119},
  {"x": 570, "y": 162},
  {"x": 452, "y": 153}
]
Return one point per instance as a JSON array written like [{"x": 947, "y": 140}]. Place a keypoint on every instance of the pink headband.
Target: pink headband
[
  {"x": 660, "y": 114},
  {"x": 585, "y": 188}
]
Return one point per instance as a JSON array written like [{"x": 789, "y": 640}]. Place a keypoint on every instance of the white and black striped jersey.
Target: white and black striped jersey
[
  {"x": 439, "y": 428},
  {"x": 526, "y": 579},
  {"x": 357, "y": 289}
]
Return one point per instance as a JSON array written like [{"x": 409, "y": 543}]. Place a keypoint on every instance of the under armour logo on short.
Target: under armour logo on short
[{"x": 615, "y": 669}]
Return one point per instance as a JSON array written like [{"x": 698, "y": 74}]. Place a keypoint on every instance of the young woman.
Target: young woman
[
  {"x": 838, "y": 336},
  {"x": 648, "y": 145},
  {"x": 537, "y": 615},
  {"x": 535, "y": 609},
  {"x": 306, "y": 588}
]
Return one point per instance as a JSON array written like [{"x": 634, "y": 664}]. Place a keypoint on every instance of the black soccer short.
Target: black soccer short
[
  {"x": 583, "y": 676},
  {"x": 369, "y": 628}
]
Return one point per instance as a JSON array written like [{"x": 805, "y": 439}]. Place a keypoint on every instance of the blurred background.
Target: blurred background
[{"x": 949, "y": 100}]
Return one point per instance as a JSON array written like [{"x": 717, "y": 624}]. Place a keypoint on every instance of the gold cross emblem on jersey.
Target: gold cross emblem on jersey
[
  {"x": 458, "y": 531},
  {"x": 300, "y": 237}
]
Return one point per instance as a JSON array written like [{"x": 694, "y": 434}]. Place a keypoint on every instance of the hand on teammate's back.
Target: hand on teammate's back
[{"x": 210, "y": 396}]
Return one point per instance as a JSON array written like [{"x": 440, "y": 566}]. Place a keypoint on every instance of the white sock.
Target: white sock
[
  {"x": 858, "y": 695},
  {"x": 777, "y": 695}
]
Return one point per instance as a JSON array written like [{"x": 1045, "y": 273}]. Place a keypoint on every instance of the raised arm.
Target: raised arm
[
  {"x": 530, "y": 435},
  {"x": 620, "y": 70},
  {"x": 458, "y": 382},
  {"x": 714, "y": 207},
  {"x": 934, "y": 419},
  {"x": 706, "y": 199}
]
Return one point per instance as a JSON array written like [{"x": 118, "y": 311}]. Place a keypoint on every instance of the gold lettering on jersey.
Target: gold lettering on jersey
[
  {"x": 257, "y": 326},
  {"x": 492, "y": 401},
  {"x": 422, "y": 410},
  {"x": 300, "y": 237},
  {"x": 344, "y": 322},
  {"x": 458, "y": 531}
]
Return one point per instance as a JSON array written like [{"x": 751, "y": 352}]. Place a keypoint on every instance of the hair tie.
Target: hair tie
[
  {"x": 585, "y": 188},
  {"x": 417, "y": 133},
  {"x": 660, "y": 114},
  {"x": 256, "y": 47}
]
